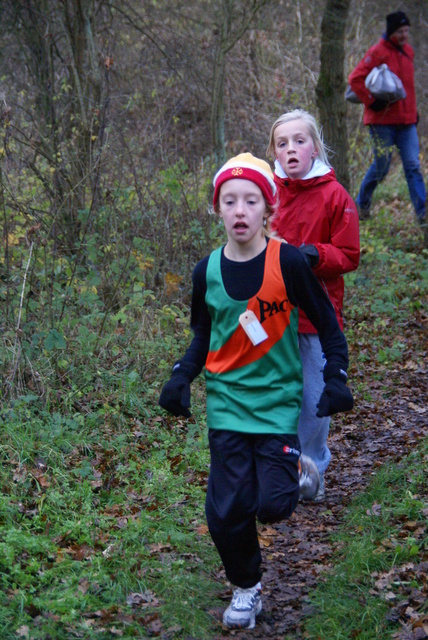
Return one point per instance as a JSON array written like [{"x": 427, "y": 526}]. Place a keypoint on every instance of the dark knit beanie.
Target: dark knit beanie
[{"x": 394, "y": 21}]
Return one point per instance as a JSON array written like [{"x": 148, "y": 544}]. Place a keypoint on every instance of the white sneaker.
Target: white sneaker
[
  {"x": 309, "y": 478},
  {"x": 320, "y": 495},
  {"x": 245, "y": 606}
]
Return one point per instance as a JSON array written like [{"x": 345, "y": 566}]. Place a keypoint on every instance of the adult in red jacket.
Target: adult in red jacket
[
  {"x": 316, "y": 214},
  {"x": 391, "y": 125}
]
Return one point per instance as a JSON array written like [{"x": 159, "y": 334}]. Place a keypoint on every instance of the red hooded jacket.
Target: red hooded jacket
[
  {"x": 318, "y": 210},
  {"x": 400, "y": 61}
]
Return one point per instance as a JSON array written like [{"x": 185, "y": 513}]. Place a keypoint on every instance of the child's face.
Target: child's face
[
  {"x": 242, "y": 207},
  {"x": 294, "y": 148}
]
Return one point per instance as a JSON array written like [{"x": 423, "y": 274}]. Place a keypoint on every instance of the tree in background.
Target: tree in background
[
  {"x": 60, "y": 108},
  {"x": 330, "y": 87},
  {"x": 235, "y": 18}
]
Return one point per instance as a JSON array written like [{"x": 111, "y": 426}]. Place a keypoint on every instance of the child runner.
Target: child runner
[
  {"x": 318, "y": 215},
  {"x": 244, "y": 318}
]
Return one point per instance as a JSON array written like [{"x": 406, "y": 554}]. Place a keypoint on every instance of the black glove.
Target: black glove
[
  {"x": 311, "y": 254},
  {"x": 175, "y": 395},
  {"x": 378, "y": 105},
  {"x": 336, "y": 396}
]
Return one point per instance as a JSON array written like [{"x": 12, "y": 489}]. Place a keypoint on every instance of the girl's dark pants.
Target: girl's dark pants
[{"x": 251, "y": 477}]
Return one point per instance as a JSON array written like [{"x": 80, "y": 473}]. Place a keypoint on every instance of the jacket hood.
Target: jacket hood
[{"x": 318, "y": 169}]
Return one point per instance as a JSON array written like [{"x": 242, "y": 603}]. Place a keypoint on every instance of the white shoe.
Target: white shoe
[
  {"x": 245, "y": 606},
  {"x": 309, "y": 478},
  {"x": 320, "y": 495}
]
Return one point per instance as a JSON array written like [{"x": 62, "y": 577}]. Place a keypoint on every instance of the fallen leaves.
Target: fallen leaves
[
  {"x": 375, "y": 510},
  {"x": 415, "y": 407},
  {"x": 142, "y": 600}
]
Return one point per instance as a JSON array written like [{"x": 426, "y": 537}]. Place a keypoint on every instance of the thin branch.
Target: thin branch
[
  {"x": 17, "y": 340},
  {"x": 244, "y": 26}
]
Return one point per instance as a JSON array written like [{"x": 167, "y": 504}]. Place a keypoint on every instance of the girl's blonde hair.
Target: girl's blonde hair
[{"x": 314, "y": 131}]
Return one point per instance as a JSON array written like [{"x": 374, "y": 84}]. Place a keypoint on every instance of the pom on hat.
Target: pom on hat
[
  {"x": 396, "y": 20},
  {"x": 247, "y": 167}
]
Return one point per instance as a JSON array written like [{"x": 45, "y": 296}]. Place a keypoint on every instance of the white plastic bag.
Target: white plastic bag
[{"x": 383, "y": 84}]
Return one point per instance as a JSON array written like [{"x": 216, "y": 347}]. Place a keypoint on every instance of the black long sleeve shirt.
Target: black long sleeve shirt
[{"x": 242, "y": 281}]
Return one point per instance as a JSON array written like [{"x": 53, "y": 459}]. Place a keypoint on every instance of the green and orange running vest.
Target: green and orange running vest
[{"x": 253, "y": 389}]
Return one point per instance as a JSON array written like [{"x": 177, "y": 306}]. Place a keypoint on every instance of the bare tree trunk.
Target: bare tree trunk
[
  {"x": 231, "y": 9},
  {"x": 3, "y": 210},
  {"x": 217, "y": 107},
  {"x": 331, "y": 86}
]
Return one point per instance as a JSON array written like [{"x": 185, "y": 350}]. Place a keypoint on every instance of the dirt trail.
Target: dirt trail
[{"x": 298, "y": 551}]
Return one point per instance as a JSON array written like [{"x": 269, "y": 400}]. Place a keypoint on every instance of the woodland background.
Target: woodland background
[{"x": 114, "y": 116}]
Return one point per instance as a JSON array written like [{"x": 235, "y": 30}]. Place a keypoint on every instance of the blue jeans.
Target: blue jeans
[
  {"x": 384, "y": 139},
  {"x": 313, "y": 431}
]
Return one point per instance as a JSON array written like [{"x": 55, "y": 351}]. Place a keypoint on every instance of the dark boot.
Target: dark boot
[{"x": 363, "y": 214}]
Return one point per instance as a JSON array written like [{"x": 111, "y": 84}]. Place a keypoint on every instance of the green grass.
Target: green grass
[
  {"x": 384, "y": 536},
  {"x": 96, "y": 512}
]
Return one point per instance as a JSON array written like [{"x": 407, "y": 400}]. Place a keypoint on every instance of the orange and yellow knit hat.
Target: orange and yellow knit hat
[{"x": 247, "y": 167}]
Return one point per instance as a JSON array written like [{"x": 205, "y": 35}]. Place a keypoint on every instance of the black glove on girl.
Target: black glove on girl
[
  {"x": 336, "y": 396},
  {"x": 175, "y": 395},
  {"x": 311, "y": 254}
]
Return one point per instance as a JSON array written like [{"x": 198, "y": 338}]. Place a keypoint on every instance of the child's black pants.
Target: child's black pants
[{"x": 251, "y": 477}]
